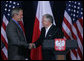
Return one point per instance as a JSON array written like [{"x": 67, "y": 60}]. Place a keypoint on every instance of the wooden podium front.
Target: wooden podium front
[{"x": 60, "y": 55}]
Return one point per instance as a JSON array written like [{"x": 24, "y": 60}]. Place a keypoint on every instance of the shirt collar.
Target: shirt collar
[
  {"x": 15, "y": 21},
  {"x": 48, "y": 27}
]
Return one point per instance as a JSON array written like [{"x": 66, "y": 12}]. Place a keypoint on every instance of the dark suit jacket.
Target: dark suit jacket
[
  {"x": 17, "y": 44},
  {"x": 53, "y": 33}
]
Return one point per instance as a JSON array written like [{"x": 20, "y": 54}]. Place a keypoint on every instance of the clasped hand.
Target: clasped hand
[{"x": 31, "y": 45}]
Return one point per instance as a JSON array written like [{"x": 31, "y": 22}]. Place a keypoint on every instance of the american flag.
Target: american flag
[
  {"x": 72, "y": 27},
  {"x": 6, "y": 7}
]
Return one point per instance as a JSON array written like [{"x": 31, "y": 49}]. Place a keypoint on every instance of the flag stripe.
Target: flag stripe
[
  {"x": 79, "y": 34},
  {"x": 75, "y": 32},
  {"x": 66, "y": 15},
  {"x": 4, "y": 26},
  {"x": 5, "y": 52},
  {"x": 66, "y": 35},
  {"x": 80, "y": 28},
  {"x": 81, "y": 22},
  {"x": 36, "y": 30},
  {"x": 80, "y": 53},
  {"x": 69, "y": 26},
  {"x": 4, "y": 41},
  {"x": 72, "y": 55},
  {"x": 3, "y": 33},
  {"x": 78, "y": 58},
  {"x": 5, "y": 20},
  {"x": 3, "y": 56}
]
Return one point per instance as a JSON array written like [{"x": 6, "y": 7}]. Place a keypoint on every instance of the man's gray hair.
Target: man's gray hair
[
  {"x": 15, "y": 11},
  {"x": 48, "y": 16}
]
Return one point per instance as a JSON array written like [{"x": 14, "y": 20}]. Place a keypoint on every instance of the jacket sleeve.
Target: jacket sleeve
[
  {"x": 40, "y": 39},
  {"x": 13, "y": 38}
]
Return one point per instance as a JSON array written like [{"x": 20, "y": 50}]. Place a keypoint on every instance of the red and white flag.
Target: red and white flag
[{"x": 42, "y": 8}]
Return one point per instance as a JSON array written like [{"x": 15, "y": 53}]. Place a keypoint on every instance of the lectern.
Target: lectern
[{"x": 59, "y": 55}]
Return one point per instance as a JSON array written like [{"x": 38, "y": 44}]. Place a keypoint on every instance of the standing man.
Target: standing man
[
  {"x": 17, "y": 44},
  {"x": 49, "y": 31}
]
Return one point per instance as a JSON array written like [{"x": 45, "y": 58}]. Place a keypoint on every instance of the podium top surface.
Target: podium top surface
[{"x": 50, "y": 44}]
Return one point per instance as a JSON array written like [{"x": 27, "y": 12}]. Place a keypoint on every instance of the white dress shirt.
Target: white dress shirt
[{"x": 47, "y": 29}]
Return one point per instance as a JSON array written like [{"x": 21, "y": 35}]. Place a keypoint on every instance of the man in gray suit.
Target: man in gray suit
[{"x": 17, "y": 44}]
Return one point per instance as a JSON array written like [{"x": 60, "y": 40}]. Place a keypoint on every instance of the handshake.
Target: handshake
[{"x": 31, "y": 45}]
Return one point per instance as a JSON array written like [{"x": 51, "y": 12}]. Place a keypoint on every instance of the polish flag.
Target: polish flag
[{"x": 42, "y": 8}]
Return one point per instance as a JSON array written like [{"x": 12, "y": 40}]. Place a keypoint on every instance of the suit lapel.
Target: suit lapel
[
  {"x": 49, "y": 31},
  {"x": 18, "y": 27}
]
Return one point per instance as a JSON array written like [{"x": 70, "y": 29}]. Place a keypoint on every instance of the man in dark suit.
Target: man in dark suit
[
  {"x": 49, "y": 31},
  {"x": 17, "y": 44}
]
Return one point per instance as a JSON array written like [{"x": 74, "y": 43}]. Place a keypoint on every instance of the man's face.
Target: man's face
[
  {"x": 45, "y": 21},
  {"x": 20, "y": 15}
]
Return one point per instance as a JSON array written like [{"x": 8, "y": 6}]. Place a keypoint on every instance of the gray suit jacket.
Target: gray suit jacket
[{"x": 17, "y": 44}]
